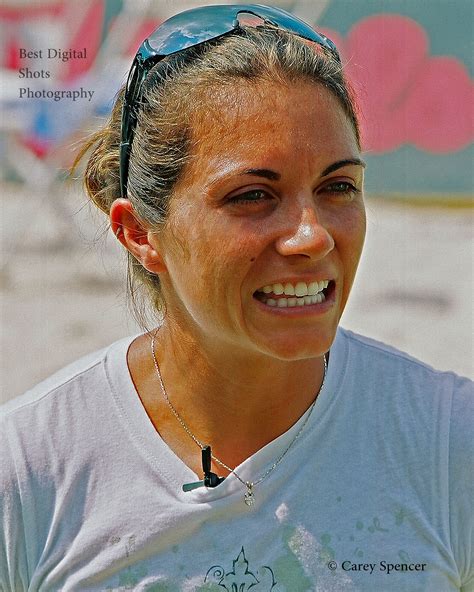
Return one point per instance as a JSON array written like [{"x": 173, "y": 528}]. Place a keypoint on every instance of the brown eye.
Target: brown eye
[
  {"x": 250, "y": 197},
  {"x": 341, "y": 187}
]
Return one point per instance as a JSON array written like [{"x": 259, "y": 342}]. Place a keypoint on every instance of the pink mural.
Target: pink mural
[
  {"x": 82, "y": 26},
  {"x": 406, "y": 96}
]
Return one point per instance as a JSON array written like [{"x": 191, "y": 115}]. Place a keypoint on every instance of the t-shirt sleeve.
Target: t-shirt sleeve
[
  {"x": 13, "y": 560},
  {"x": 461, "y": 480}
]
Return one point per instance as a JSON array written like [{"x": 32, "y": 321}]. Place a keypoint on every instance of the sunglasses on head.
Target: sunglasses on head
[{"x": 189, "y": 29}]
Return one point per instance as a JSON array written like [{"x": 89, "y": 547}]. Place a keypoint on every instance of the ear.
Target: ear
[{"x": 137, "y": 238}]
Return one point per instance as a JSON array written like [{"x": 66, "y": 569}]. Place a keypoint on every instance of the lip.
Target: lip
[{"x": 302, "y": 311}]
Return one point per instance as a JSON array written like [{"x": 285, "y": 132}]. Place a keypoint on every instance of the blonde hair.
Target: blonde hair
[{"x": 176, "y": 89}]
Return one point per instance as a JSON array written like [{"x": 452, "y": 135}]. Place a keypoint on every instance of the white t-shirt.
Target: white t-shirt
[{"x": 375, "y": 495}]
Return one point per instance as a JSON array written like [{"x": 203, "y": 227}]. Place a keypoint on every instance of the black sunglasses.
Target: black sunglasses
[{"x": 188, "y": 29}]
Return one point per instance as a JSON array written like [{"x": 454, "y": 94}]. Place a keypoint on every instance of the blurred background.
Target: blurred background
[{"x": 62, "y": 283}]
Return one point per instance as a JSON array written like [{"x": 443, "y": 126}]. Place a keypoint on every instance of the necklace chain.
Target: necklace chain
[{"x": 249, "y": 496}]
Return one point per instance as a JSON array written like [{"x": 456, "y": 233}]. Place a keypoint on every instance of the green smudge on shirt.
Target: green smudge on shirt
[
  {"x": 131, "y": 577},
  {"x": 327, "y": 552},
  {"x": 289, "y": 573},
  {"x": 162, "y": 587},
  {"x": 209, "y": 587}
]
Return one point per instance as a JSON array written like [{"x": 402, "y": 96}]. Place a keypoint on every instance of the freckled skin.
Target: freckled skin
[
  {"x": 228, "y": 362},
  {"x": 234, "y": 250}
]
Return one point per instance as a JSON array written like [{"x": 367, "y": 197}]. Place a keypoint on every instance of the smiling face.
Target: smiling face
[{"x": 266, "y": 224}]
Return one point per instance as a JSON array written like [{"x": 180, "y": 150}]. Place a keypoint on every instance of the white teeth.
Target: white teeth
[
  {"x": 299, "y": 289},
  {"x": 293, "y": 302},
  {"x": 317, "y": 298},
  {"x": 278, "y": 289}
]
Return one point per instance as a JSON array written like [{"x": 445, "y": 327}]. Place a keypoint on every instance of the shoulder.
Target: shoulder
[
  {"x": 426, "y": 402},
  {"x": 432, "y": 393},
  {"x": 60, "y": 412},
  {"x": 382, "y": 351},
  {"x": 427, "y": 419},
  {"x": 397, "y": 376},
  {"x": 50, "y": 434},
  {"x": 74, "y": 377},
  {"x": 47, "y": 451},
  {"x": 53, "y": 385},
  {"x": 389, "y": 362}
]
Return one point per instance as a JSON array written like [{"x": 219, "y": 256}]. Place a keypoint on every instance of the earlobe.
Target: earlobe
[{"x": 135, "y": 236}]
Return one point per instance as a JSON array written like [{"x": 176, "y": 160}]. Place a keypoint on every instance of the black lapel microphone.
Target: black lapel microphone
[{"x": 210, "y": 478}]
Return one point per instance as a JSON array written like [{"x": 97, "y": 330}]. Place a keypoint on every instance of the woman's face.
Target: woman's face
[{"x": 269, "y": 209}]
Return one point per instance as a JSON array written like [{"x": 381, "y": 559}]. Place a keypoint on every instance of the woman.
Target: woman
[{"x": 337, "y": 462}]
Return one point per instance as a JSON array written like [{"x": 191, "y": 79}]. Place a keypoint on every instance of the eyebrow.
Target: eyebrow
[
  {"x": 267, "y": 173},
  {"x": 342, "y": 163},
  {"x": 274, "y": 176}
]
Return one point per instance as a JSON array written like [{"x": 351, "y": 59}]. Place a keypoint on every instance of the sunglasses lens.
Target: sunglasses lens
[
  {"x": 191, "y": 28},
  {"x": 185, "y": 29},
  {"x": 198, "y": 25},
  {"x": 295, "y": 25}
]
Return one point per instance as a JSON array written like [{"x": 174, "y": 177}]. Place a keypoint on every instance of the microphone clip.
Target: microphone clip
[{"x": 210, "y": 478}]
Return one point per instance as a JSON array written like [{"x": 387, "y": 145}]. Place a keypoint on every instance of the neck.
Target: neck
[{"x": 237, "y": 404}]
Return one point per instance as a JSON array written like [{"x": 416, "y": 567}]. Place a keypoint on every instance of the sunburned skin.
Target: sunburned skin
[
  {"x": 272, "y": 195},
  {"x": 265, "y": 192}
]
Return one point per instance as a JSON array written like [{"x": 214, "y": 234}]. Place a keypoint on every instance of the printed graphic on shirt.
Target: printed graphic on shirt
[
  {"x": 241, "y": 577},
  {"x": 345, "y": 559}
]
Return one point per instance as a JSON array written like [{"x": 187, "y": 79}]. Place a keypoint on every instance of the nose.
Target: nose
[{"x": 308, "y": 236}]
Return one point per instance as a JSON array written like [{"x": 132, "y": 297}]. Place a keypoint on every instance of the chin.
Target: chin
[{"x": 303, "y": 347}]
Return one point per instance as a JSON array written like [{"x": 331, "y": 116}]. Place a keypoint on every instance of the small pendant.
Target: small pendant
[{"x": 249, "y": 497}]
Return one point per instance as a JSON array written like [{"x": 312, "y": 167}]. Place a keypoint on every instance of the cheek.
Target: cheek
[
  {"x": 349, "y": 235},
  {"x": 212, "y": 264},
  {"x": 350, "y": 224},
  {"x": 230, "y": 249},
  {"x": 361, "y": 227}
]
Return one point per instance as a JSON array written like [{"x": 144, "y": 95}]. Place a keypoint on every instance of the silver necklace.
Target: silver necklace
[{"x": 249, "y": 497}]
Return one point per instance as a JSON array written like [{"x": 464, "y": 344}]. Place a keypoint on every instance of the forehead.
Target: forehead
[{"x": 265, "y": 119}]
